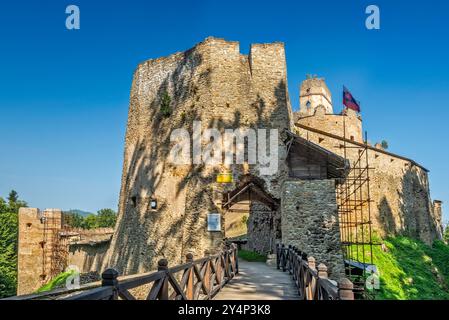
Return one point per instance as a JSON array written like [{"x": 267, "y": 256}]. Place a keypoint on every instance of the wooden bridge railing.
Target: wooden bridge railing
[
  {"x": 312, "y": 282},
  {"x": 198, "y": 279}
]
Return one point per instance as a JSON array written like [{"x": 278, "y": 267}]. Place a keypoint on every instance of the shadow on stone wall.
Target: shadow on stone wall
[
  {"x": 416, "y": 207},
  {"x": 148, "y": 165},
  {"x": 386, "y": 217}
]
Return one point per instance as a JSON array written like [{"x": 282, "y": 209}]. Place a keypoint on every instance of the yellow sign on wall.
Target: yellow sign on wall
[{"x": 225, "y": 178}]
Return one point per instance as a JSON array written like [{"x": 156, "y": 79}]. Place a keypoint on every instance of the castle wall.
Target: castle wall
[
  {"x": 399, "y": 189},
  {"x": 217, "y": 85},
  {"x": 87, "y": 248},
  {"x": 310, "y": 221},
  {"x": 334, "y": 124},
  {"x": 34, "y": 248},
  {"x": 88, "y": 257}
]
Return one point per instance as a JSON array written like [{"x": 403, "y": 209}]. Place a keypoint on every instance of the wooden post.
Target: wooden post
[
  {"x": 162, "y": 265},
  {"x": 346, "y": 289},
  {"x": 236, "y": 260},
  {"x": 189, "y": 285},
  {"x": 322, "y": 271},
  {"x": 312, "y": 281},
  {"x": 278, "y": 256},
  {"x": 283, "y": 259},
  {"x": 311, "y": 262},
  {"x": 206, "y": 278},
  {"x": 109, "y": 278}
]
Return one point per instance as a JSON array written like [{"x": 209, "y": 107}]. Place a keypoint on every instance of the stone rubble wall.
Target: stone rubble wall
[
  {"x": 335, "y": 124},
  {"x": 310, "y": 221}
]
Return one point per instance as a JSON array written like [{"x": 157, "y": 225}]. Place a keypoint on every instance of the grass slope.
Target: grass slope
[
  {"x": 251, "y": 256},
  {"x": 57, "y": 282},
  {"x": 409, "y": 269}
]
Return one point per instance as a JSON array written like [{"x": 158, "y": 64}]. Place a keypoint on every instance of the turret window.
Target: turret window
[{"x": 308, "y": 104}]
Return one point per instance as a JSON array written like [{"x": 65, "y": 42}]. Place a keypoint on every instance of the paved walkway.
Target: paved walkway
[{"x": 257, "y": 281}]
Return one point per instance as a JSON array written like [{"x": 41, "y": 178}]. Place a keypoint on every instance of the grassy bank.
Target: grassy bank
[
  {"x": 409, "y": 269},
  {"x": 251, "y": 256}
]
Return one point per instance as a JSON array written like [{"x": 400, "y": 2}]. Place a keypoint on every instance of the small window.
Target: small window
[
  {"x": 308, "y": 104},
  {"x": 308, "y": 90},
  {"x": 153, "y": 204},
  {"x": 134, "y": 201},
  {"x": 376, "y": 156},
  {"x": 352, "y": 138},
  {"x": 29, "y": 225},
  {"x": 320, "y": 140}
]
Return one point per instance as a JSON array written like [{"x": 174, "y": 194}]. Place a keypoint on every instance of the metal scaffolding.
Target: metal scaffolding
[
  {"x": 354, "y": 209},
  {"x": 54, "y": 247}
]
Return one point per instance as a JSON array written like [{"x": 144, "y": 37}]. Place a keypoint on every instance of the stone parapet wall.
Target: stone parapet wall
[
  {"x": 335, "y": 123},
  {"x": 310, "y": 221}
]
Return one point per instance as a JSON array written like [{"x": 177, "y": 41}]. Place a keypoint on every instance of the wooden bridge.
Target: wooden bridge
[{"x": 219, "y": 277}]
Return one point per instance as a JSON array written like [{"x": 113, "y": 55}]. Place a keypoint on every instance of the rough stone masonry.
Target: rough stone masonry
[{"x": 163, "y": 208}]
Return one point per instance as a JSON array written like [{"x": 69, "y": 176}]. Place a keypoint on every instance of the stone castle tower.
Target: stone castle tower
[
  {"x": 215, "y": 84},
  {"x": 314, "y": 94}
]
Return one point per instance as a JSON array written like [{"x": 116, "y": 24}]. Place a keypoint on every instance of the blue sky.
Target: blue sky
[{"x": 64, "y": 94}]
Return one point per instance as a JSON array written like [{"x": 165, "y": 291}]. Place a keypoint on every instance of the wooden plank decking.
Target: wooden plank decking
[{"x": 258, "y": 281}]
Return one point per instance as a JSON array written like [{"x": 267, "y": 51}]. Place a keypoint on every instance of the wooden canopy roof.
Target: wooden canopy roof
[{"x": 308, "y": 160}]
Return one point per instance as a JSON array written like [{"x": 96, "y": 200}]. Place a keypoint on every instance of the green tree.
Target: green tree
[
  {"x": 14, "y": 204},
  {"x": 446, "y": 233},
  {"x": 13, "y": 197},
  {"x": 8, "y": 243},
  {"x": 106, "y": 218},
  {"x": 8, "y": 254},
  {"x": 384, "y": 144},
  {"x": 3, "y": 206},
  {"x": 165, "y": 104},
  {"x": 73, "y": 220},
  {"x": 90, "y": 222}
]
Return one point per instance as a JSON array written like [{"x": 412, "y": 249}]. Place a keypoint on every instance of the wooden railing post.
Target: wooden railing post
[
  {"x": 311, "y": 263},
  {"x": 322, "y": 271},
  {"x": 162, "y": 265},
  {"x": 278, "y": 256},
  {"x": 109, "y": 278},
  {"x": 206, "y": 278},
  {"x": 346, "y": 289},
  {"x": 284, "y": 256},
  {"x": 189, "y": 285},
  {"x": 290, "y": 258},
  {"x": 311, "y": 286},
  {"x": 236, "y": 258}
]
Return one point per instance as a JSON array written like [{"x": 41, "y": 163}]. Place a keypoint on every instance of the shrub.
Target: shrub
[{"x": 165, "y": 104}]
